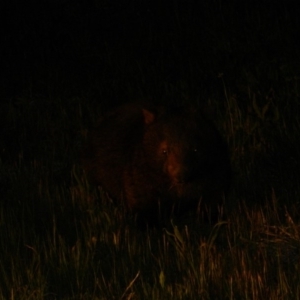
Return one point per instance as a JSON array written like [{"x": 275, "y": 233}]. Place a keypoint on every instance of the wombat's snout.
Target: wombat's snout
[
  {"x": 184, "y": 177},
  {"x": 184, "y": 166}
]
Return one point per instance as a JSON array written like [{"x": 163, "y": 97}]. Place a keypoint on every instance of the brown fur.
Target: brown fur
[{"x": 159, "y": 162}]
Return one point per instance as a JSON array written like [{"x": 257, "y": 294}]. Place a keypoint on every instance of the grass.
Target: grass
[{"x": 58, "y": 241}]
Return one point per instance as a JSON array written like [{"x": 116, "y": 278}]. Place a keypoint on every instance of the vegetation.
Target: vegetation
[{"x": 64, "y": 239}]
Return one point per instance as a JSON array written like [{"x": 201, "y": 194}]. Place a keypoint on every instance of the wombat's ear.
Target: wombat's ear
[{"x": 149, "y": 116}]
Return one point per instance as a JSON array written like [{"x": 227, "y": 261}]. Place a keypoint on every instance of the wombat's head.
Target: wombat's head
[{"x": 188, "y": 150}]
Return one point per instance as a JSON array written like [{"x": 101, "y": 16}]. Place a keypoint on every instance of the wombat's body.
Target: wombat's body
[{"x": 159, "y": 163}]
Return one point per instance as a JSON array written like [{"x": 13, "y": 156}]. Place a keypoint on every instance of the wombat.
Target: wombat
[{"x": 159, "y": 161}]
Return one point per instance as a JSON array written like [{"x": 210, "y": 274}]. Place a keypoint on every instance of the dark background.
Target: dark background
[{"x": 109, "y": 47}]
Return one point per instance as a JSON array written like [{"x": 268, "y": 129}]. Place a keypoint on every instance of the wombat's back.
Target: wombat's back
[{"x": 110, "y": 145}]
